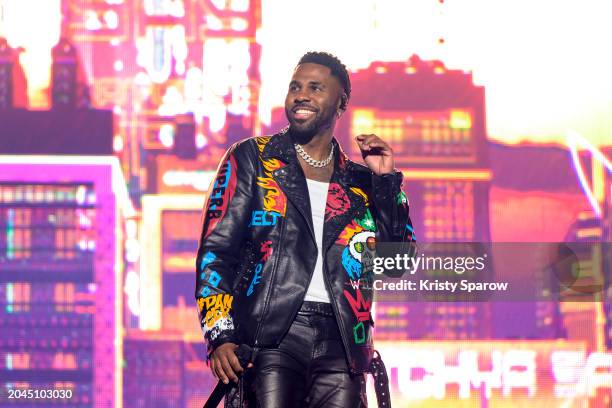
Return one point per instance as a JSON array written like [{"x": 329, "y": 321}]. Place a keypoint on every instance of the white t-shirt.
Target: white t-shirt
[{"x": 318, "y": 199}]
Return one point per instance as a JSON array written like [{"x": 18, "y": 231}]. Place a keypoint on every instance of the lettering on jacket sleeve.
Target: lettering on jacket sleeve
[
  {"x": 215, "y": 314},
  {"x": 220, "y": 194}
]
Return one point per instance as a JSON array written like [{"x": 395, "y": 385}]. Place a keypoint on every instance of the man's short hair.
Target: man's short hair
[{"x": 338, "y": 69}]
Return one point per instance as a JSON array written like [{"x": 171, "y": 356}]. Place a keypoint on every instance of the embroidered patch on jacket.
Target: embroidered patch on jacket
[
  {"x": 266, "y": 252},
  {"x": 274, "y": 200},
  {"x": 351, "y": 256},
  {"x": 362, "y": 310},
  {"x": 215, "y": 316},
  {"x": 337, "y": 201},
  {"x": 363, "y": 195},
  {"x": 348, "y": 232},
  {"x": 360, "y": 306},
  {"x": 401, "y": 198},
  {"x": 221, "y": 326}
]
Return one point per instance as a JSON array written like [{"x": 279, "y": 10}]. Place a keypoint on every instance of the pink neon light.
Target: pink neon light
[{"x": 575, "y": 140}]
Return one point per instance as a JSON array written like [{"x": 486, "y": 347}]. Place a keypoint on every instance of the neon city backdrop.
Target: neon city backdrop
[{"x": 115, "y": 113}]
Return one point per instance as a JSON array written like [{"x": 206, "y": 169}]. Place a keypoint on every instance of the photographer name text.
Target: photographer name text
[{"x": 437, "y": 285}]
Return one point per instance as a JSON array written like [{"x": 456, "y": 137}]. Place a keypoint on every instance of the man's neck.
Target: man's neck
[{"x": 319, "y": 146}]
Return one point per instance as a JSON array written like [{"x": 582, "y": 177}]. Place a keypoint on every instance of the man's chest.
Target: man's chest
[{"x": 316, "y": 173}]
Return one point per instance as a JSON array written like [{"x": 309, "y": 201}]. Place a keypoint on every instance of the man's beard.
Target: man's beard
[{"x": 304, "y": 132}]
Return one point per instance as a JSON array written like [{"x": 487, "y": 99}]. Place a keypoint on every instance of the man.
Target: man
[{"x": 278, "y": 266}]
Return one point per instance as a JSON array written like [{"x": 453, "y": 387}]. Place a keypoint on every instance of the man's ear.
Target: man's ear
[{"x": 343, "y": 102}]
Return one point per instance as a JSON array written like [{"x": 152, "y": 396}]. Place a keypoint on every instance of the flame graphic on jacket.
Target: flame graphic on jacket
[
  {"x": 360, "y": 192},
  {"x": 348, "y": 232},
  {"x": 275, "y": 199}
]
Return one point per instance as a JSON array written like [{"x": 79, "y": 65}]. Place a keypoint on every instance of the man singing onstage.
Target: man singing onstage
[{"x": 284, "y": 227}]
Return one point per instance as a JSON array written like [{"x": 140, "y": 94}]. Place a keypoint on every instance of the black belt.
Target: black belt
[{"x": 321, "y": 308}]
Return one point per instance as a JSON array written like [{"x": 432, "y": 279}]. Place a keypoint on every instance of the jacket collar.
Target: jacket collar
[
  {"x": 292, "y": 181},
  {"x": 281, "y": 147}
]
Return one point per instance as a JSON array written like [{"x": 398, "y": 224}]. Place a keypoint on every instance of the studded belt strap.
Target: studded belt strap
[
  {"x": 321, "y": 308},
  {"x": 381, "y": 381}
]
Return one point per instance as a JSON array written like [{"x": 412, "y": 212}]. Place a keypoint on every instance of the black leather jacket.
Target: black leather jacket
[{"x": 257, "y": 250}]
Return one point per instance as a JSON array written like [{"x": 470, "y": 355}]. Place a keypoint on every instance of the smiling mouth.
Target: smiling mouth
[{"x": 303, "y": 113}]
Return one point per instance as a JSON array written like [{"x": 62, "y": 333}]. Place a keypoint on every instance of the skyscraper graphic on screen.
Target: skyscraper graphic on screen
[
  {"x": 588, "y": 316},
  {"x": 584, "y": 303},
  {"x": 434, "y": 119},
  {"x": 60, "y": 285},
  {"x": 177, "y": 74},
  {"x": 169, "y": 243},
  {"x": 607, "y": 233}
]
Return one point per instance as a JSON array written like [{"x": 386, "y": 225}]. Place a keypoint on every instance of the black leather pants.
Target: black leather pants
[{"x": 309, "y": 367}]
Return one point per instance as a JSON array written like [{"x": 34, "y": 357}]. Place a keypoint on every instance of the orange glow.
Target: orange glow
[
  {"x": 545, "y": 64},
  {"x": 182, "y": 263},
  {"x": 64, "y": 361},
  {"x": 424, "y": 174},
  {"x": 594, "y": 232},
  {"x": 540, "y": 80},
  {"x": 35, "y": 26},
  {"x": 363, "y": 121},
  {"x": 545, "y": 216},
  {"x": 460, "y": 119}
]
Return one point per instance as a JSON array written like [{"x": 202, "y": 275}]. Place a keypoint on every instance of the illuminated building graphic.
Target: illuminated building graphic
[
  {"x": 165, "y": 369},
  {"x": 68, "y": 84},
  {"x": 179, "y": 239},
  {"x": 61, "y": 262},
  {"x": 393, "y": 319},
  {"x": 153, "y": 370},
  {"x": 12, "y": 78},
  {"x": 607, "y": 256},
  {"x": 607, "y": 265},
  {"x": 434, "y": 120},
  {"x": 170, "y": 175},
  {"x": 174, "y": 72},
  {"x": 592, "y": 321},
  {"x": 169, "y": 236},
  {"x": 496, "y": 373},
  {"x": 583, "y": 308},
  {"x": 181, "y": 79},
  {"x": 435, "y": 123}
]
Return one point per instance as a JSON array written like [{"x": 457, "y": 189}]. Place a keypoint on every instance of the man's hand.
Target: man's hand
[
  {"x": 224, "y": 363},
  {"x": 376, "y": 154}
]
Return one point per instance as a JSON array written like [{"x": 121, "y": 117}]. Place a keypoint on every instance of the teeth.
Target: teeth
[{"x": 303, "y": 111}]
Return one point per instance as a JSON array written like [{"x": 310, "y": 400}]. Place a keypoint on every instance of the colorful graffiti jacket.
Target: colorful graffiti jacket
[{"x": 257, "y": 249}]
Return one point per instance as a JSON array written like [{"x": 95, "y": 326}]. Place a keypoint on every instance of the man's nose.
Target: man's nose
[{"x": 301, "y": 96}]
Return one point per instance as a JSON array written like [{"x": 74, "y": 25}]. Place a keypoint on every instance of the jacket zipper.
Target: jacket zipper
[
  {"x": 336, "y": 312},
  {"x": 335, "y": 307},
  {"x": 273, "y": 274}
]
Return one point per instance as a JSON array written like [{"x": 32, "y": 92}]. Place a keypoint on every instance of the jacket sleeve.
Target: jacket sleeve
[
  {"x": 392, "y": 211},
  {"x": 225, "y": 219}
]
